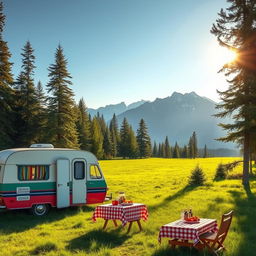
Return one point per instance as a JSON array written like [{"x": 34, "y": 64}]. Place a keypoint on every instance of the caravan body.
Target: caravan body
[{"x": 49, "y": 176}]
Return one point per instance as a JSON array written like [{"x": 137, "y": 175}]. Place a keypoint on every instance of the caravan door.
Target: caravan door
[
  {"x": 79, "y": 181},
  {"x": 62, "y": 183}
]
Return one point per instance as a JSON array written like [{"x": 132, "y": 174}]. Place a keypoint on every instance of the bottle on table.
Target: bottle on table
[{"x": 121, "y": 197}]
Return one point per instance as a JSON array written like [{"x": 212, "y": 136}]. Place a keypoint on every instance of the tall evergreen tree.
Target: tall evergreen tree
[
  {"x": 27, "y": 103},
  {"x": 155, "y": 150},
  {"x": 61, "y": 121},
  {"x": 163, "y": 153},
  {"x": 160, "y": 153},
  {"x": 143, "y": 140},
  {"x": 133, "y": 146},
  {"x": 205, "y": 154},
  {"x": 107, "y": 145},
  {"x": 235, "y": 29},
  {"x": 167, "y": 148},
  {"x": 194, "y": 139},
  {"x": 114, "y": 136},
  {"x": 42, "y": 113},
  {"x": 191, "y": 148},
  {"x": 6, "y": 92},
  {"x": 124, "y": 139},
  {"x": 97, "y": 138},
  {"x": 83, "y": 126},
  {"x": 176, "y": 151}
]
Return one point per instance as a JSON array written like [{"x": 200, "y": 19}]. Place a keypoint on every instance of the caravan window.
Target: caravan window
[
  {"x": 95, "y": 172},
  {"x": 33, "y": 172},
  {"x": 79, "y": 172}
]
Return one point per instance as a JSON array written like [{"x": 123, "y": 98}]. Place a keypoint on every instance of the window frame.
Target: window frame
[
  {"x": 33, "y": 165},
  {"x": 74, "y": 166},
  {"x": 97, "y": 178}
]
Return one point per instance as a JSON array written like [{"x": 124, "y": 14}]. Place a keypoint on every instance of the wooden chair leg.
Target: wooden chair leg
[
  {"x": 129, "y": 228},
  {"x": 115, "y": 223},
  {"x": 209, "y": 247},
  {"x": 105, "y": 224},
  {"x": 139, "y": 224}
]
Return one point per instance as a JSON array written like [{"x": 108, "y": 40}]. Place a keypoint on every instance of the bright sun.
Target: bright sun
[{"x": 219, "y": 56}]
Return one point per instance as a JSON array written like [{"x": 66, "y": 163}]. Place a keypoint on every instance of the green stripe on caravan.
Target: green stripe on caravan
[
  {"x": 46, "y": 185},
  {"x": 33, "y": 186},
  {"x": 96, "y": 184}
]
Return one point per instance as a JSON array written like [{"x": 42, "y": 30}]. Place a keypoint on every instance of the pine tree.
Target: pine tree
[
  {"x": 6, "y": 92},
  {"x": 167, "y": 148},
  {"x": 61, "y": 119},
  {"x": 124, "y": 139},
  {"x": 191, "y": 148},
  {"x": 205, "y": 155},
  {"x": 133, "y": 146},
  {"x": 155, "y": 150},
  {"x": 143, "y": 140},
  {"x": 160, "y": 153},
  {"x": 28, "y": 106},
  {"x": 97, "y": 139},
  {"x": 194, "y": 139},
  {"x": 197, "y": 177},
  {"x": 235, "y": 29},
  {"x": 107, "y": 145},
  {"x": 83, "y": 126},
  {"x": 114, "y": 136},
  {"x": 163, "y": 153},
  {"x": 176, "y": 151},
  {"x": 101, "y": 122},
  {"x": 42, "y": 113}
]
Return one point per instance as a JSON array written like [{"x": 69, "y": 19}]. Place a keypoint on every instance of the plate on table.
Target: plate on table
[
  {"x": 126, "y": 204},
  {"x": 191, "y": 221}
]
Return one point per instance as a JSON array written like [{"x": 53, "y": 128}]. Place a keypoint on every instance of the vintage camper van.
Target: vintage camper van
[{"x": 41, "y": 177}]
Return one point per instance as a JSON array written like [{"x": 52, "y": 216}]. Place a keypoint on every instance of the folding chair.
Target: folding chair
[{"x": 214, "y": 241}]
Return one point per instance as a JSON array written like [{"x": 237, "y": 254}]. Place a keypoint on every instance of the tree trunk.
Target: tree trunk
[
  {"x": 250, "y": 163},
  {"x": 246, "y": 158}
]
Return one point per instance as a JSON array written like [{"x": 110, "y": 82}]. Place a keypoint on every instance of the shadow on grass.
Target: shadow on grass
[
  {"x": 245, "y": 212},
  {"x": 178, "y": 251},
  {"x": 21, "y": 220},
  {"x": 168, "y": 199},
  {"x": 96, "y": 239}
]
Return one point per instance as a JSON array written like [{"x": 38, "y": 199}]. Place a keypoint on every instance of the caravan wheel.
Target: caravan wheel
[{"x": 40, "y": 209}]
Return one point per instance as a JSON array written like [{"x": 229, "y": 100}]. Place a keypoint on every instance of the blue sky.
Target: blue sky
[{"x": 121, "y": 50}]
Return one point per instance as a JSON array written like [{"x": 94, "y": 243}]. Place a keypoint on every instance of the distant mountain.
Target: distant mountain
[
  {"x": 109, "y": 110},
  {"x": 177, "y": 117}
]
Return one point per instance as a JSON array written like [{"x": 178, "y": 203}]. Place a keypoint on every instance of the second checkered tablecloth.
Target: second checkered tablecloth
[
  {"x": 187, "y": 231},
  {"x": 118, "y": 212}
]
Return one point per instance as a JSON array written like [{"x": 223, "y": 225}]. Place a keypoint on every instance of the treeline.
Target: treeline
[
  {"x": 190, "y": 150},
  {"x": 30, "y": 115}
]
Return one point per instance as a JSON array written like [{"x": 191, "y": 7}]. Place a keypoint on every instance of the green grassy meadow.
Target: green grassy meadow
[{"x": 159, "y": 183}]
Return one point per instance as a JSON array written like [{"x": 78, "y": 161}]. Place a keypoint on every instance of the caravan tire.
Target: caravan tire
[{"x": 40, "y": 209}]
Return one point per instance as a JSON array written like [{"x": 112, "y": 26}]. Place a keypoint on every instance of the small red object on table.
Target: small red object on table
[
  {"x": 181, "y": 231},
  {"x": 125, "y": 213}
]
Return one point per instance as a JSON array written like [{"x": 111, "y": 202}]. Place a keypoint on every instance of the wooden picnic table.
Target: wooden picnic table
[
  {"x": 187, "y": 234},
  {"x": 125, "y": 213}
]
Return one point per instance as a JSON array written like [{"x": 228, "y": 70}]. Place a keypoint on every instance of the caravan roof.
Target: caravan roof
[{"x": 5, "y": 154}]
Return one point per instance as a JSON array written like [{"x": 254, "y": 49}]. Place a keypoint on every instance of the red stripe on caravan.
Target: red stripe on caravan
[
  {"x": 12, "y": 203},
  {"x": 95, "y": 198}
]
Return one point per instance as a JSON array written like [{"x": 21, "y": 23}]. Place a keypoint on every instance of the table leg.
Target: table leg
[
  {"x": 129, "y": 228},
  {"x": 115, "y": 223},
  {"x": 139, "y": 224},
  {"x": 105, "y": 224}
]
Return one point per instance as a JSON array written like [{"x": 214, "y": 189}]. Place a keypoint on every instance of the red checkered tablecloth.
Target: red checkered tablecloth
[
  {"x": 118, "y": 212},
  {"x": 187, "y": 231}
]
